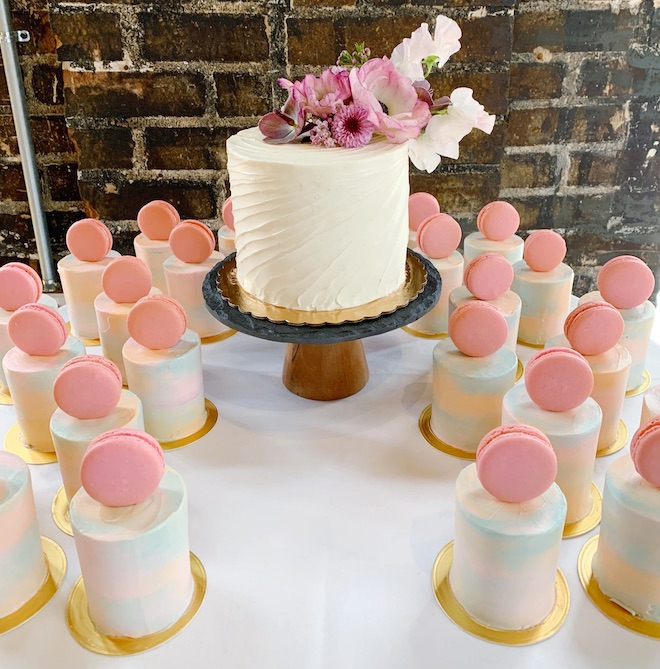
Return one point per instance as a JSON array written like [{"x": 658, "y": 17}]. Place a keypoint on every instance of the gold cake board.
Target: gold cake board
[
  {"x": 85, "y": 633},
  {"x": 14, "y": 444},
  {"x": 430, "y": 436},
  {"x": 591, "y": 520},
  {"x": 619, "y": 442},
  {"x": 457, "y": 614},
  {"x": 5, "y": 397},
  {"x": 638, "y": 390},
  {"x": 424, "y": 335},
  {"x": 60, "y": 512},
  {"x": 211, "y": 420},
  {"x": 219, "y": 337}
]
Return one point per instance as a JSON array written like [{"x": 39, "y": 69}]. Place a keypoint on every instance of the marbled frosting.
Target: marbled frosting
[
  {"x": 476, "y": 244},
  {"x": 153, "y": 253},
  {"x": 650, "y": 405}
]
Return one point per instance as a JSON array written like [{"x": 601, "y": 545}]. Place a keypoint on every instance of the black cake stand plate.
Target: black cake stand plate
[{"x": 322, "y": 362}]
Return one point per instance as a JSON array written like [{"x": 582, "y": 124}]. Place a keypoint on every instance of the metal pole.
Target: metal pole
[{"x": 8, "y": 39}]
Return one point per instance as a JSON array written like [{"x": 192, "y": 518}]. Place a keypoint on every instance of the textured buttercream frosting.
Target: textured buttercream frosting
[{"x": 317, "y": 228}]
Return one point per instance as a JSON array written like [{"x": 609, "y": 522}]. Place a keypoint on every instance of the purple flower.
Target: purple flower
[
  {"x": 321, "y": 135},
  {"x": 351, "y": 127},
  {"x": 283, "y": 126}
]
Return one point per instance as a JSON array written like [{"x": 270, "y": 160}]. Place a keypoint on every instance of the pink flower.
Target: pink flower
[
  {"x": 351, "y": 127},
  {"x": 395, "y": 109},
  {"x": 321, "y": 135},
  {"x": 320, "y": 96},
  {"x": 283, "y": 126}
]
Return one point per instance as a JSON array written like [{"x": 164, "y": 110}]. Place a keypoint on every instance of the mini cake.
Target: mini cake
[
  {"x": 555, "y": 399},
  {"x": 156, "y": 220},
  {"x": 130, "y": 525},
  {"x": 19, "y": 285},
  {"x": 318, "y": 229},
  {"x": 420, "y": 207},
  {"x": 192, "y": 244},
  {"x": 626, "y": 565},
  {"x": 488, "y": 277},
  {"x": 626, "y": 283},
  {"x": 125, "y": 281},
  {"x": 650, "y": 405},
  {"x": 472, "y": 371},
  {"x": 90, "y": 401},
  {"x": 590, "y": 329},
  {"x": 544, "y": 284},
  {"x": 163, "y": 363},
  {"x": 23, "y": 567},
  {"x": 438, "y": 238},
  {"x": 509, "y": 524},
  {"x": 41, "y": 348},
  {"x": 226, "y": 235},
  {"x": 90, "y": 243},
  {"x": 497, "y": 223}
]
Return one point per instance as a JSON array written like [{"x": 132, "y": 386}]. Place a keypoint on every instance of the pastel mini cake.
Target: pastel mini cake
[
  {"x": 226, "y": 234},
  {"x": 438, "y": 238},
  {"x": 192, "y": 245},
  {"x": 90, "y": 245},
  {"x": 472, "y": 371},
  {"x": 650, "y": 405},
  {"x": 156, "y": 221},
  {"x": 125, "y": 281},
  {"x": 544, "y": 284},
  {"x": 497, "y": 224},
  {"x": 41, "y": 348},
  {"x": 509, "y": 521},
  {"x": 626, "y": 282},
  {"x": 488, "y": 277},
  {"x": 555, "y": 400},
  {"x": 130, "y": 525},
  {"x": 163, "y": 363},
  {"x": 88, "y": 392},
  {"x": 420, "y": 207}
]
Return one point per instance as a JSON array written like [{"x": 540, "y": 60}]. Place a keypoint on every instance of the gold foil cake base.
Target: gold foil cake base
[
  {"x": 86, "y": 342},
  {"x": 56, "y": 564},
  {"x": 520, "y": 370},
  {"x": 14, "y": 444},
  {"x": 211, "y": 420},
  {"x": 646, "y": 382},
  {"x": 5, "y": 397},
  {"x": 60, "y": 512},
  {"x": 458, "y": 615},
  {"x": 619, "y": 442},
  {"x": 237, "y": 297},
  {"x": 590, "y": 521},
  {"x": 603, "y": 603},
  {"x": 529, "y": 345},
  {"x": 424, "y": 335},
  {"x": 428, "y": 434},
  {"x": 83, "y": 631},
  {"x": 219, "y": 337}
]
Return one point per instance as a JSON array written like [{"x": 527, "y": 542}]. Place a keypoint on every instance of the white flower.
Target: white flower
[
  {"x": 422, "y": 153},
  {"x": 408, "y": 56}
]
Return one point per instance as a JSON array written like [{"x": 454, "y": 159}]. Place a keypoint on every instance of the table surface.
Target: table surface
[{"x": 318, "y": 524}]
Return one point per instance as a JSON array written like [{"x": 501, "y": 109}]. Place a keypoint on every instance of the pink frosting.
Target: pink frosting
[
  {"x": 157, "y": 322},
  {"x": 420, "y": 207},
  {"x": 594, "y": 327},
  {"x": 126, "y": 280},
  {"x": 157, "y": 219},
  {"x": 544, "y": 250},
  {"x": 478, "y": 329},
  {"x": 489, "y": 276},
  {"x": 192, "y": 242},
  {"x": 645, "y": 451},
  {"x": 516, "y": 463},
  {"x": 89, "y": 240},
  {"x": 37, "y": 330},
  {"x": 439, "y": 235},
  {"x": 228, "y": 213},
  {"x": 19, "y": 285},
  {"x": 498, "y": 220},
  {"x": 625, "y": 282}
]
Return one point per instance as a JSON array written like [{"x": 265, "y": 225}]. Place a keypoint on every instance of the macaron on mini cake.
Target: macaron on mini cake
[
  {"x": 438, "y": 237},
  {"x": 509, "y": 521},
  {"x": 226, "y": 234},
  {"x": 472, "y": 371},
  {"x": 544, "y": 284},
  {"x": 626, "y": 282},
  {"x": 90, "y": 246},
  {"x": 130, "y": 525},
  {"x": 88, "y": 392},
  {"x": 420, "y": 207},
  {"x": 41, "y": 348},
  {"x": 497, "y": 224},
  {"x": 555, "y": 399},
  {"x": 163, "y": 363},
  {"x": 488, "y": 277},
  {"x": 125, "y": 281},
  {"x": 156, "y": 221},
  {"x": 193, "y": 245}
]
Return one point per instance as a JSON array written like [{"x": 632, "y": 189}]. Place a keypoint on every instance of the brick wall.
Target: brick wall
[{"x": 152, "y": 90}]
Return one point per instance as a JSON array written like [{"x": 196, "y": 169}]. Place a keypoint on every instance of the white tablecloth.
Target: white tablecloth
[{"x": 318, "y": 524}]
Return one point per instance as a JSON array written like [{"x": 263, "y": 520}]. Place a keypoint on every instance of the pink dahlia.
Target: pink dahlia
[{"x": 351, "y": 126}]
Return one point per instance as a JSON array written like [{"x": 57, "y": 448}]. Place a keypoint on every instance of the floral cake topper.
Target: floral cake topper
[{"x": 362, "y": 97}]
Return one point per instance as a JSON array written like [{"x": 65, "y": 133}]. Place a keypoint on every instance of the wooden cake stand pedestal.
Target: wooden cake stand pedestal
[{"x": 322, "y": 362}]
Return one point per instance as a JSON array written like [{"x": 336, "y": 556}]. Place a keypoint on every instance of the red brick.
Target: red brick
[
  {"x": 485, "y": 39},
  {"x": 12, "y": 184},
  {"x": 242, "y": 94},
  {"x": 49, "y": 135},
  {"x": 596, "y": 124},
  {"x": 611, "y": 79},
  {"x": 325, "y": 3},
  {"x": 37, "y": 23},
  {"x": 381, "y": 35},
  {"x": 538, "y": 29},
  {"x": 535, "y": 80},
  {"x": 87, "y": 36},
  {"x": 593, "y": 169},
  {"x": 489, "y": 87},
  {"x": 63, "y": 182},
  {"x": 312, "y": 42},
  {"x": 528, "y": 127},
  {"x": 104, "y": 147},
  {"x": 589, "y": 30},
  {"x": 533, "y": 170},
  {"x": 534, "y": 211},
  {"x": 478, "y": 148},
  {"x": 47, "y": 84}
]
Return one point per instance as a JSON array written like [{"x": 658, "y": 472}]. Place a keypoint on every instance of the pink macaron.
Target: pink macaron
[
  {"x": 89, "y": 240},
  {"x": 544, "y": 250},
  {"x": 516, "y": 463},
  {"x": 228, "y": 213},
  {"x": 478, "y": 329},
  {"x": 88, "y": 387},
  {"x": 19, "y": 285},
  {"x": 558, "y": 379},
  {"x": 625, "y": 282},
  {"x": 157, "y": 219},
  {"x": 157, "y": 322},
  {"x": 420, "y": 207},
  {"x": 37, "y": 329},
  {"x": 645, "y": 451},
  {"x": 122, "y": 467},
  {"x": 192, "y": 242},
  {"x": 498, "y": 221},
  {"x": 438, "y": 236},
  {"x": 126, "y": 280},
  {"x": 594, "y": 327},
  {"x": 489, "y": 276}
]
